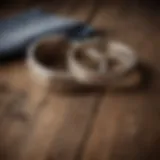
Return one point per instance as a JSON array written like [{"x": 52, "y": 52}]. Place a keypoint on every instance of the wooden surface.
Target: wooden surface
[{"x": 40, "y": 124}]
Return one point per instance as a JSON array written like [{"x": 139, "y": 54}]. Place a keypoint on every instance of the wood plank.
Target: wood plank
[
  {"x": 79, "y": 110},
  {"x": 127, "y": 124},
  {"x": 45, "y": 124},
  {"x": 13, "y": 132},
  {"x": 56, "y": 126},
  {"x": 18, "y": 106},
  {"x": 81, "y": 9}
]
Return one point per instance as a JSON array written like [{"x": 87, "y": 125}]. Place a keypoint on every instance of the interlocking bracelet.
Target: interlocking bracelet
[{"x": 105, "y": 71}]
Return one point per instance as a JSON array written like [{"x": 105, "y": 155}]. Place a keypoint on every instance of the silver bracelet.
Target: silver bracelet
[
  {"x": 123, "y": 54},
  {"x": 40, "y": 72}
]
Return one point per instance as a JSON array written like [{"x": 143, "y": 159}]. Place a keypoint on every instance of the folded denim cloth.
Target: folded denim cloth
[{"x": 17, "y": 32}]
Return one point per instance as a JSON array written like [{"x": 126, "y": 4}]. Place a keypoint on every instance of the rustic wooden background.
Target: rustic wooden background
[{"x": 38, "y": 124}]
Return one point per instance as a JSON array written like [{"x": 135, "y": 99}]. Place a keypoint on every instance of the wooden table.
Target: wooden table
[{"x": 39, "y": 124}]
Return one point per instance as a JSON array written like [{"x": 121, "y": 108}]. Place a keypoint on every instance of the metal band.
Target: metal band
[
  {"x": 40, "y": 73},
  {"x": 116, "y": 50}
]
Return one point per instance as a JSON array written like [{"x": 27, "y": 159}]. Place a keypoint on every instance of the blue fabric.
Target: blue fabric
[{"x": 17, "y": 32}]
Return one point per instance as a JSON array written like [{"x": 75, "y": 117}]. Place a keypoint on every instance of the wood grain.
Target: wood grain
[
  {"x": 53, "y": 121},
  {"x": 127, "y": 124},
  {"x": 37, "y": 123},
  {"x": 78, "y": 114}
]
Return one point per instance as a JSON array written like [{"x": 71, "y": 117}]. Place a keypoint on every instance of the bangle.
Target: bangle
[
  {"x": 106, "y": 71},
  {"x": 42, "y": 60}
]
